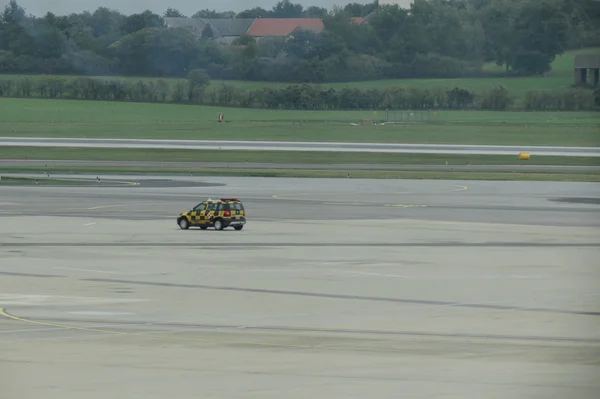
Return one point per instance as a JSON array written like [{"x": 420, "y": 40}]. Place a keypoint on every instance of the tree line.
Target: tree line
[
  {"x": 434, "y": 38},
  {"x": 198, "y": 90}
]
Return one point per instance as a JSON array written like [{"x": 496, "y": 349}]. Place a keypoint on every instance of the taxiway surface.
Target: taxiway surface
[
  {"x": 44, "y": 164},
  {"x": 335, "y": 288}
]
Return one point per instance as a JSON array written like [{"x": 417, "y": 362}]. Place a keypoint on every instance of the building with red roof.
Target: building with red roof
[
  {"x": 227, "y": 30},
  {"x": 282, "y": 27}
]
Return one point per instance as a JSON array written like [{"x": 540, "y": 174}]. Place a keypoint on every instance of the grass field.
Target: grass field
[
  {"x": 279, "y": 157},
  {"x": 66, "y": 118},
  {"x": 560, "y": 77},
  {"x": 30, "y": 181}
]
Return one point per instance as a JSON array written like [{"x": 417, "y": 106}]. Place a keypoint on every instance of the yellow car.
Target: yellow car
[{"x": 219, "y": 214}]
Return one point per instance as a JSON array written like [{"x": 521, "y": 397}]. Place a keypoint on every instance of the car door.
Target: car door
[
  {"x": 210, "y": 212},
  {"x": 198, "y": 214}
]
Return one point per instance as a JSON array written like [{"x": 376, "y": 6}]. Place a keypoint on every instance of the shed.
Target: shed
[{"x": 584, "y": 63}]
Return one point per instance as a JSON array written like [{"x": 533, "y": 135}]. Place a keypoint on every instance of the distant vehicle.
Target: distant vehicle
[{"x": 220, "y": 214}]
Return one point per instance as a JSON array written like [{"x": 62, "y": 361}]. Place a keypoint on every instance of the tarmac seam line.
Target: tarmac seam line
[{"x": 6, "y": 315}]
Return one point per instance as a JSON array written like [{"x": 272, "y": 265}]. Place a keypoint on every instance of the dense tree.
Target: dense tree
[
  {"x": 136, "y": 22},
  {"x": 434, "y": 38},
  {"x": 360, "y": 10},
  {"x": 173, "y": 13},
  {"x": 256, "y": 12},
  {"x": 525, "y": 35},
  {"x": 207, "y": 32},
  {"x": 287, "y": 9},
  {"x": 206, "y": 13}
]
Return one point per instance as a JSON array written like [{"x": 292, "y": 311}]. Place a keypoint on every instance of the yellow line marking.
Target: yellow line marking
[{"x": 9, "y": 316}]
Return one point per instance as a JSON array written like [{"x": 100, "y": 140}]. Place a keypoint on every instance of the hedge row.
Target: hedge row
[{"x": 300, "y": 97}]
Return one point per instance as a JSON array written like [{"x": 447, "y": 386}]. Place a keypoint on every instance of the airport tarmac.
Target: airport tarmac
[
  {"x": 45, "y": 164},
  {"x": 336, "y": 288}
]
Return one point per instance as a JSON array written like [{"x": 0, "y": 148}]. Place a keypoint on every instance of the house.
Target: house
[
  {"x": 363, "y": 20},
  {"x": 196, "y": 25},
  {"x": 227, "y": 30},
  {"x": 283, "y": 27}
]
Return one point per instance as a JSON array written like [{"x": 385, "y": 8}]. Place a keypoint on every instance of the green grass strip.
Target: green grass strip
[{"x": 282, "y": 157}]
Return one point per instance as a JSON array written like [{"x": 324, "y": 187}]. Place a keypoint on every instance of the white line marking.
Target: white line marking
[
  {"x": 473, "y": 277},
  {"x": 279, "y": 271},
  {"x": 31, "y": 330},
  {"x": 90, "y": 224},
  {"x": 100, "y": 313},
  {"x": 39, "y": 300},
  {"x": 460, "y": 188},
  {"x": 102, "y": 271},
  {"x": 68, "y": 328},
  {"x": 100, "y": 336}
]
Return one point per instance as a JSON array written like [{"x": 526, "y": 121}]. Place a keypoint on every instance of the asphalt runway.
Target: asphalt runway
[
  {"x": 335, "y": 288},
  {"x": 300, "y": 146},
  {"x": 43, "y": 164}
]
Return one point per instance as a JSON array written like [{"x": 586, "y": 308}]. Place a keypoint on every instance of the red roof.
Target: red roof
[
  {"x": 283, "y": 26},
  {"x": 357, "y": 20}
]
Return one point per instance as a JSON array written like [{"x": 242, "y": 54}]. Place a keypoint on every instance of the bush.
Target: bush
[
  {"x": 561, "y": 100},
  {"x": 196, "y": 90},
  {"x": 496, "y": 99}
]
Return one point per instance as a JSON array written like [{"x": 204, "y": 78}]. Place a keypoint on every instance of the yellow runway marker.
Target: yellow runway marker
[{"x": 9, "y": 316}]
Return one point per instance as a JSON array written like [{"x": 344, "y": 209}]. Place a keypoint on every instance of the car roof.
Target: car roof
[{"x": 223, "y": 200}]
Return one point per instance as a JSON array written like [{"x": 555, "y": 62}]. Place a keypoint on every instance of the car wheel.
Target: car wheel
[
  {"x": 183, "y": 224},
  {"x": 218, "y": 224}
]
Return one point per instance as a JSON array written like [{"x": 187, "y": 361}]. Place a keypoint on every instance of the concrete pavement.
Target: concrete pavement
[{"x": 336, "y": 288}]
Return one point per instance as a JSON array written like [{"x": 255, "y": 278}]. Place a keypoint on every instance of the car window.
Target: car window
[{"x": 200, "y": 207}]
